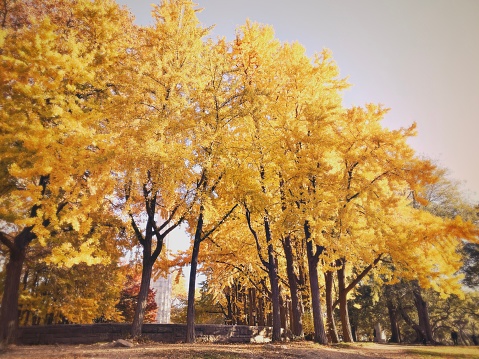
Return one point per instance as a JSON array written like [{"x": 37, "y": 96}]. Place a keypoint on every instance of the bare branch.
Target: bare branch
[
  {"x": 138, "y": 234},
  {"x": 255, "y": 235}
]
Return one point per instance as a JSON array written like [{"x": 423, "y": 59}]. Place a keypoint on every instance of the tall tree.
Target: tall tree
[
  {"x": 155, "y": 180},
  {"x": 57, "y": 70},
  {"x": 373, "y": 166},
  {"x": 311, "y": 105},
  {"x": 443, "y": 209},
  {"x": 255, "y": 51},
  {"x": 213, "y": 140}
]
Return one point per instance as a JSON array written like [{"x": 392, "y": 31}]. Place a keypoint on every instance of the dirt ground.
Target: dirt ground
[{"x": 306, "y": 350}]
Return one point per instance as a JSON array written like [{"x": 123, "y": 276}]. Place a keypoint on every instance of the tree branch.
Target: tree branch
[
  {"x": 358, "y": 278},
  {"x": 138, "y": 234},
  {"x": 255, "y": 235},
  {"x": 7, "y": 240},
  {"x": 225, "y": 217},
  {"x": 363, "y": 274}
]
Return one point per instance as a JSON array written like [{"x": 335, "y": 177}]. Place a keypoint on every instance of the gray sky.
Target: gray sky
[{"x": 418, "y": 57}]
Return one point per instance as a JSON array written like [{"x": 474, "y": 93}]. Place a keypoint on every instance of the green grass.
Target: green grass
[
  {"x": 424, "y": 352},
  {"x": 444, "y": 352}
]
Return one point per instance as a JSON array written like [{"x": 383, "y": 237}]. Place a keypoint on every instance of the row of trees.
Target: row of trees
[
  {"x": 395, "y": 308},
  {"x": 113, "y": 135},
  {"x": 375, "y": 287}
]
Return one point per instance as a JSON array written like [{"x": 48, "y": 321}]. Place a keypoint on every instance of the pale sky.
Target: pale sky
[{"x": 418, "y": 57}]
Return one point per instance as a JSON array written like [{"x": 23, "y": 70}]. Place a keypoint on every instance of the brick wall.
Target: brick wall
[{"x": 166, "y": 333}]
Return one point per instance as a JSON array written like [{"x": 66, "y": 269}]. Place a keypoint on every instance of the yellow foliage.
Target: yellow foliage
[{"x": 106, "y": 121}]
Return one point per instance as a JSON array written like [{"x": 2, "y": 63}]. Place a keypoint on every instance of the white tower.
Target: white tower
[{"x": 163, "y": 287}]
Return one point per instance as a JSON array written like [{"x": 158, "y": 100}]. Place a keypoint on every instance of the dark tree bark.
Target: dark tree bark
[
  {"x": 269, "y": 318},
  {"x": 353, "y": 332},
  {"x": 296, "y": 308},
  {"x": 151, "y": 251},
  {"x": 190, "y": 317},
  {"x": 423, "y": 314},
  {"x": 245, "y": 305},
  {"x": 394, "y": 322},
  {"x": 13, "y": 272},
  {"x": 229, "y": 306},
  {"x": 420, "y": 335},
  {"x": 393, "y": 316},
  {"x": 271, "y": 267},
  {"x": 343, "y": 303},
  {"x": 9, "y": 312},
  {"x": 343, "y": 294},
  {"x": 332, "y": 331},
  {"x": 148, "y": 260},
  {"x": 200, "y": 236},
  {"x": 140, "y": 309},
  {"x": 283, "y": 310},
  {"x": 313, "y": 260},
  {"x": 236, "y": 311},
  {"x": 252, "y": 310},
  {"x": 261, "y": 318}
]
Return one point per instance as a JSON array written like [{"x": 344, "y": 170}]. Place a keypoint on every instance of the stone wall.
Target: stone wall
[{"x": 165, "y": 333}]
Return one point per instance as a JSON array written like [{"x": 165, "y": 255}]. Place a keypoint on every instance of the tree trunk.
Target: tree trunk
[
  {"x": 332, "y": 331},
  {"x": 9, "y": 312},
  {"x": 283, "y": 307},
  {"x": 274, "y": 283},
  {"x": 235, "y": 304},
  {"x": 423, "y": 314},
  {"x": 149, "y": 258},
  {"x": 353, "y": 332},
  {"x": 420, "y": 335},
  {"x": 343, "y": 304},
  {"x": 261, "y": 318},
  {"x": 303, "y": 282},
  {"x": 245, "y": 305},
  {"x": 13, "y": 272},
  {"x": 394, "y": 322},
  {"x": 147, "y": 268},
  {"x": 252, "y": 307},
  {"x": 393, "y": 316},
  {"x": 296, "y": 320},
  {"x": 137, "y": 325},
  {"x": 313, "y": 259},
  {"x": 271, "y": 266},
  {"x": 9, "y": 309},
  {"x": 269, "y": 319},
  {"x": 229, "y": 306},
  {"x": 190, "y": 316}
]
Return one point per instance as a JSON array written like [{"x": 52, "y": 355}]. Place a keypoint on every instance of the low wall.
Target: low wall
[{"x": 165, "y": 333}]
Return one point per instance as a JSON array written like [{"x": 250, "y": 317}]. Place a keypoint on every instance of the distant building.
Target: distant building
[{"x": 163, "y": 287}]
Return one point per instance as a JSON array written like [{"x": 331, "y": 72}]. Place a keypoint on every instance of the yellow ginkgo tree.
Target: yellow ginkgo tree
[
  {"x": 156, "y": 180},
  {"x": 58, "y": 89},
  {"x": 213, "y": 139}
]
